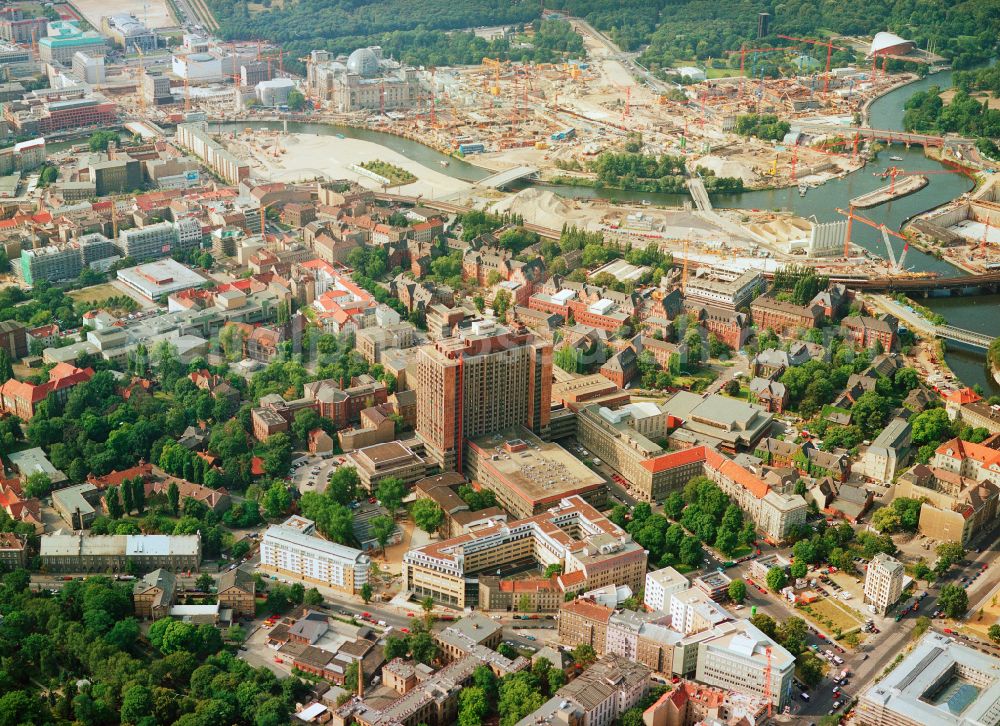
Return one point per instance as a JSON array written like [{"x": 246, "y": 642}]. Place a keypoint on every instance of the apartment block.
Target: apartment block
[
  {"x": 661, "y": 585},
  {"x": 53, "y": 263},
  {"x": 196, "y": 139},
  {"x": 293, "y": 549},
  {"x": 883, "y": 583}
]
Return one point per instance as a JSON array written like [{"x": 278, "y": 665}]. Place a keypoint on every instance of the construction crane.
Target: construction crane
[
  {"x": 767, "y": 682},
  {"x": 893, "y": 171},
  {"x": 187, "y": 95},
  {"x": 743, "y": 56},
  {"x": 828, "y": 44},
  {"x": 851, "y": 216}
]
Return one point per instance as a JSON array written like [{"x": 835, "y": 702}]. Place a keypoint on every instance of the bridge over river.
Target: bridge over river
[{"x": 985, "y": 282}]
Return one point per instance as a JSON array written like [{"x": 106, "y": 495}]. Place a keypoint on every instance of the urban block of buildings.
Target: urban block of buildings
[
  {"x": 960, "y": 490},
  {"x": 592, "y": 551}
]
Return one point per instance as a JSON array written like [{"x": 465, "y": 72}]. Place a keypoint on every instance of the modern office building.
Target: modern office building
[
  {"x": 591, "y": 549},
  {"x": 40, "y": 117},
  {"x": 459, "y": 379},
  {"x": 76, "y": 552},
  {"x": 941, "y": 682},
  {"x": 390, "y": 459},
  {"x": 738, "y": 657},
  {"x": 883, "y": 582},
  {"x": 195, "y": 138},
  {"x": 89, "y": 68},
  {"x": 723, "y": 288},
  {"x": 160, "y": 239},
  {"x": 115, "y": 176},
  {"x": 293, "y": 549},
  {"x": 694, "y": 611},
  {"x": 529, "y": 475}
]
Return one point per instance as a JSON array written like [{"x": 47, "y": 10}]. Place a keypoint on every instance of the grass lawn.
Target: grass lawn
[
  {"x": 740, "y": 551},
  {"x": 743, "y": 395},
  {"x": 95, "y": 293},
  {"x": 831, "y": 615},
  {"x": 696, "y": 381}
]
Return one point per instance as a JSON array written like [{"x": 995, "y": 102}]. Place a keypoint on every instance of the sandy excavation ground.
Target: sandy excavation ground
[
  {"x": 308, "y": 156},
  {"x": 156, "y": 14}
]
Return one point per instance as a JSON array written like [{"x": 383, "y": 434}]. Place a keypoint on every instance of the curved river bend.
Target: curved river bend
[{"x": 972, "y": 312}]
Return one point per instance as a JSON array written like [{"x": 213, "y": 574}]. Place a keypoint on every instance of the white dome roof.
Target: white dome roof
[
  {"x": 364, "y": 62},
  {"x": 884, "y": 41}
]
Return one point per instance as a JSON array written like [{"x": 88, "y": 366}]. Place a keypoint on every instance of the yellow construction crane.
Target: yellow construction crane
[{"x": 187, "y": 95}]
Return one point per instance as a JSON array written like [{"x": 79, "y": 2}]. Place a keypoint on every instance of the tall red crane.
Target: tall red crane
[
  {"x": 892, "y": 172},
  {"x": 851, "y": 216},
  {"x": 828, "y": 44},
  {"x": 743, "y": 56},
  {"x": 767, "y": 683}
]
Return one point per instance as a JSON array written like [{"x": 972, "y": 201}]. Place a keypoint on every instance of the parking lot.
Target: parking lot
[{"x": 310, "y": 473}]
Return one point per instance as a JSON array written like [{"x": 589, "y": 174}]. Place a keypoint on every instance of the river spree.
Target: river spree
[{"x": 978, "y": 313}]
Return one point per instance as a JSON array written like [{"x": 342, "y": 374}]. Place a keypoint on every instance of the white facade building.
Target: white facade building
[
  {"x": 661, "y": 585},
  {"x": 883, "y": 582},
  {"x": 292, "y": 549},
  {"x": 737, "y": 659}
]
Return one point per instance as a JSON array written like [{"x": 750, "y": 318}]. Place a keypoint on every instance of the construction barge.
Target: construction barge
[{"x": 904, "y": 187}]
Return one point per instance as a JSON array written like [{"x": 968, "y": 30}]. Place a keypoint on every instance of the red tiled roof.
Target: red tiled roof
[
  {"x": 588, "y": 609},
  {"x": 674, "y": 459},
  {"x": 985, "y": 454},
  {"x": 115, "y": 478},
  {"x": 962, "y": 396}
]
